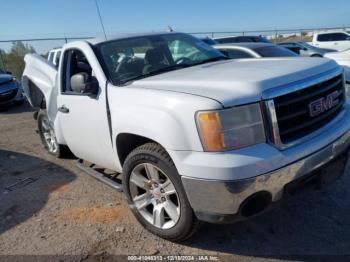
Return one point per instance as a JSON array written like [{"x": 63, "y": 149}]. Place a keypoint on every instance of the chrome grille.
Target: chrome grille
[{"x": 294, "y": 111}]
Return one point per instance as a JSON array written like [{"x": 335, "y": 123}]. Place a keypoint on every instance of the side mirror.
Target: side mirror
[
  {"x": 8, "y": 72},
  {"x": 82, "y": 83}
]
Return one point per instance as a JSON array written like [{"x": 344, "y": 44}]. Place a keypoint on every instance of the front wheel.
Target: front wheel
[
  {"x": 156, "y": 195},
  {"x": 48, "y": 137}
]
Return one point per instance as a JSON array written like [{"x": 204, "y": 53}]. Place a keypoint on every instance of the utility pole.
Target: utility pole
[{"x": 99, "y": 15}]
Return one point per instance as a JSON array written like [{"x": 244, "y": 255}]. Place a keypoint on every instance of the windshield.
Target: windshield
[
  {"x": 134, "y": 58},
  {"x": 274, "y": 51},
  {"x": 260, "y": 39},
  {"x": 304, "y": 44},
  {"x": 209, "y": 41}
]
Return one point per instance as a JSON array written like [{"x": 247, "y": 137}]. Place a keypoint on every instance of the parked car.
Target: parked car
[
  {"x": 209, "y": 41},
  {"x": 54, "y": 56},
  {"x": 338, "y": 40},
  {"x": 343, "y": 59},
  {"x": 10, "y": 90},
  {"x": 241, "y": 39},
  {"x": 196, "y": 138},
  {"x": 253, "y": 50},
  {"x": 304, "y": 49}
]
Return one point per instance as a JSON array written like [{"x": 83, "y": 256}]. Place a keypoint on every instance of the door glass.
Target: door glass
[
  {"x": 50, "y": 58},
  {"x": 75, "y": 62},
  {"x": 324, "y": 37},
  {"x": 57, "y": 59},
  {"x": 339, "y": 37}
]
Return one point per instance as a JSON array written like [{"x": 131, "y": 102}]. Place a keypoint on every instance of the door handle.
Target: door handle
[{"x": 63, "y": 109}]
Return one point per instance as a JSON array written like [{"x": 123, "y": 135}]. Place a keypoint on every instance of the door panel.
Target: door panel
[{"x": 83, "y": 119}]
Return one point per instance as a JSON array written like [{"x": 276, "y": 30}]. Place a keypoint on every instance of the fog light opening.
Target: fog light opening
[{"x": 255, "y": 203}]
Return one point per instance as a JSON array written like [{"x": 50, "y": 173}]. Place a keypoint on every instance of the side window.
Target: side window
[
  {"x": 324, "y": 37},
  {"x": 50, "y": 57},
  {"x": 74, "y": 62},
  {"x": 237, "y": 54},
  {"x": 339, "y": 37},
  {"x": 57, "y": 58}
]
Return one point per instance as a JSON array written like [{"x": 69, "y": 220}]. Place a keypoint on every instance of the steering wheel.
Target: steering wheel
[
  {"x": 122, "y": 64},
  {"x": 183, "y": 60}
]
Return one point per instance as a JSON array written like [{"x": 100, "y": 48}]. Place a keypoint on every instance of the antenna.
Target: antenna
[{"x": 99, "y": 15}]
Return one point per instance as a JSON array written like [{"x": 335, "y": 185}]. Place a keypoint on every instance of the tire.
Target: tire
[
  {"x": 19, "y": 102},
  {"x": 151, "y": 160},
  {"x": 47, "y": 132}
]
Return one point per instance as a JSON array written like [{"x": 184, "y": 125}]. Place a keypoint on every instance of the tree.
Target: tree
[
  {"x": 2, "y": 60},
  {"x": 14, "y": 60}
]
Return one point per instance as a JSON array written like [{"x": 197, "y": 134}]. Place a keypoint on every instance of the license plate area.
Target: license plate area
[{"x": 320, "y": 178}]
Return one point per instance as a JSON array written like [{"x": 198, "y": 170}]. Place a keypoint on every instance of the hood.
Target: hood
[
  {"x": 5, "y": 78},
  {"x": 241, "y": 81},
  {"x": 6, "y": 83}
]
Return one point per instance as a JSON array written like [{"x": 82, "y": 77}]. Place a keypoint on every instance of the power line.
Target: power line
[{"x": 99, "y": 15}]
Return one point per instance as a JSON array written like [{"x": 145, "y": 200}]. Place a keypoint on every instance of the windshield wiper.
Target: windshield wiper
[
  {"x": 170, "y": 68},
  {"x": 213, "y": 59},
  {"x": 155, "y": 72}
]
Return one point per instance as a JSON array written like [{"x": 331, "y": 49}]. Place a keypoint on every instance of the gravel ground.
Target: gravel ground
[{"x": 50, "y": 207}]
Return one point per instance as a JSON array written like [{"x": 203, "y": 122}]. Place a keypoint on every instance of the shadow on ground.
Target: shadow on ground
[
  {"x": 310, "y": 226},
  {"x": 15, "y": 109},
  {"x": 25, "y": 185}
]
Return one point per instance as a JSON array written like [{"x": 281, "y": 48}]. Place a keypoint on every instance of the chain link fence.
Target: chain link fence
[
  {"x": 275, "y": 36},
  {"x": 43, "y": 45}
]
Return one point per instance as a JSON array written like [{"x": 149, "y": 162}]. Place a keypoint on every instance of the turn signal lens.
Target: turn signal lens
[{"x": 210, "y": 127}]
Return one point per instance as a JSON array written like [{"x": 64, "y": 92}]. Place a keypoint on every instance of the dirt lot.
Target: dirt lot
[{"x": 50, "y": 207}]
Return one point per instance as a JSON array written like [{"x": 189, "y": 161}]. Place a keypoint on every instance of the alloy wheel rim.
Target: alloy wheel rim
[
  {"x": 49, "y": 136},
  {"x": 154, "y": 196}
]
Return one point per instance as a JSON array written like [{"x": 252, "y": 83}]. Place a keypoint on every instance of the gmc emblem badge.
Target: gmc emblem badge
[{"x": 323, "y": 104}]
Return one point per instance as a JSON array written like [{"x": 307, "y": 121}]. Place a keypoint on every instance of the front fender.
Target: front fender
[{"x": 165, "y": 117}]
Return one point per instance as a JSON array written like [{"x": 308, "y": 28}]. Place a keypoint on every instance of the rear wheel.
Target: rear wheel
[
  {"x": 156, "y": 195},
  {"x": 48, "y": 137}
]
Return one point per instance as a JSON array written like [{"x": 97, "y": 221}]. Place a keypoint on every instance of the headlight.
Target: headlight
[{"x": 232, "y": 128}]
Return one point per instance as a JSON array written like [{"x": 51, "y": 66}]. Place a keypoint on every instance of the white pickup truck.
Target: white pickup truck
[{"x": 187, "y": 134}]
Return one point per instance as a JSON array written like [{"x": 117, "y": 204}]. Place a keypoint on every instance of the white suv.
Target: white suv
[{"x": 338, "y": 40}]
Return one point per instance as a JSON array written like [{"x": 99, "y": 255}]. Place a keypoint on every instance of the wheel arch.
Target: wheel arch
[{"x": 127, "y": 142}]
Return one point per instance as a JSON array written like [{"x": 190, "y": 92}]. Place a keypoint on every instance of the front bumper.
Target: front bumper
[
  {"x": 220, "y": 201},
  {"x": 11, "y": 96}
]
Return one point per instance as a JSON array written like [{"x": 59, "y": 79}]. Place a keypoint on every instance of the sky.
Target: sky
[{"x": 59, "y": 18}]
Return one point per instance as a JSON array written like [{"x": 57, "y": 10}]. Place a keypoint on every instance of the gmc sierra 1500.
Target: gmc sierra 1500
[{"x": 195, "y": 137}]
